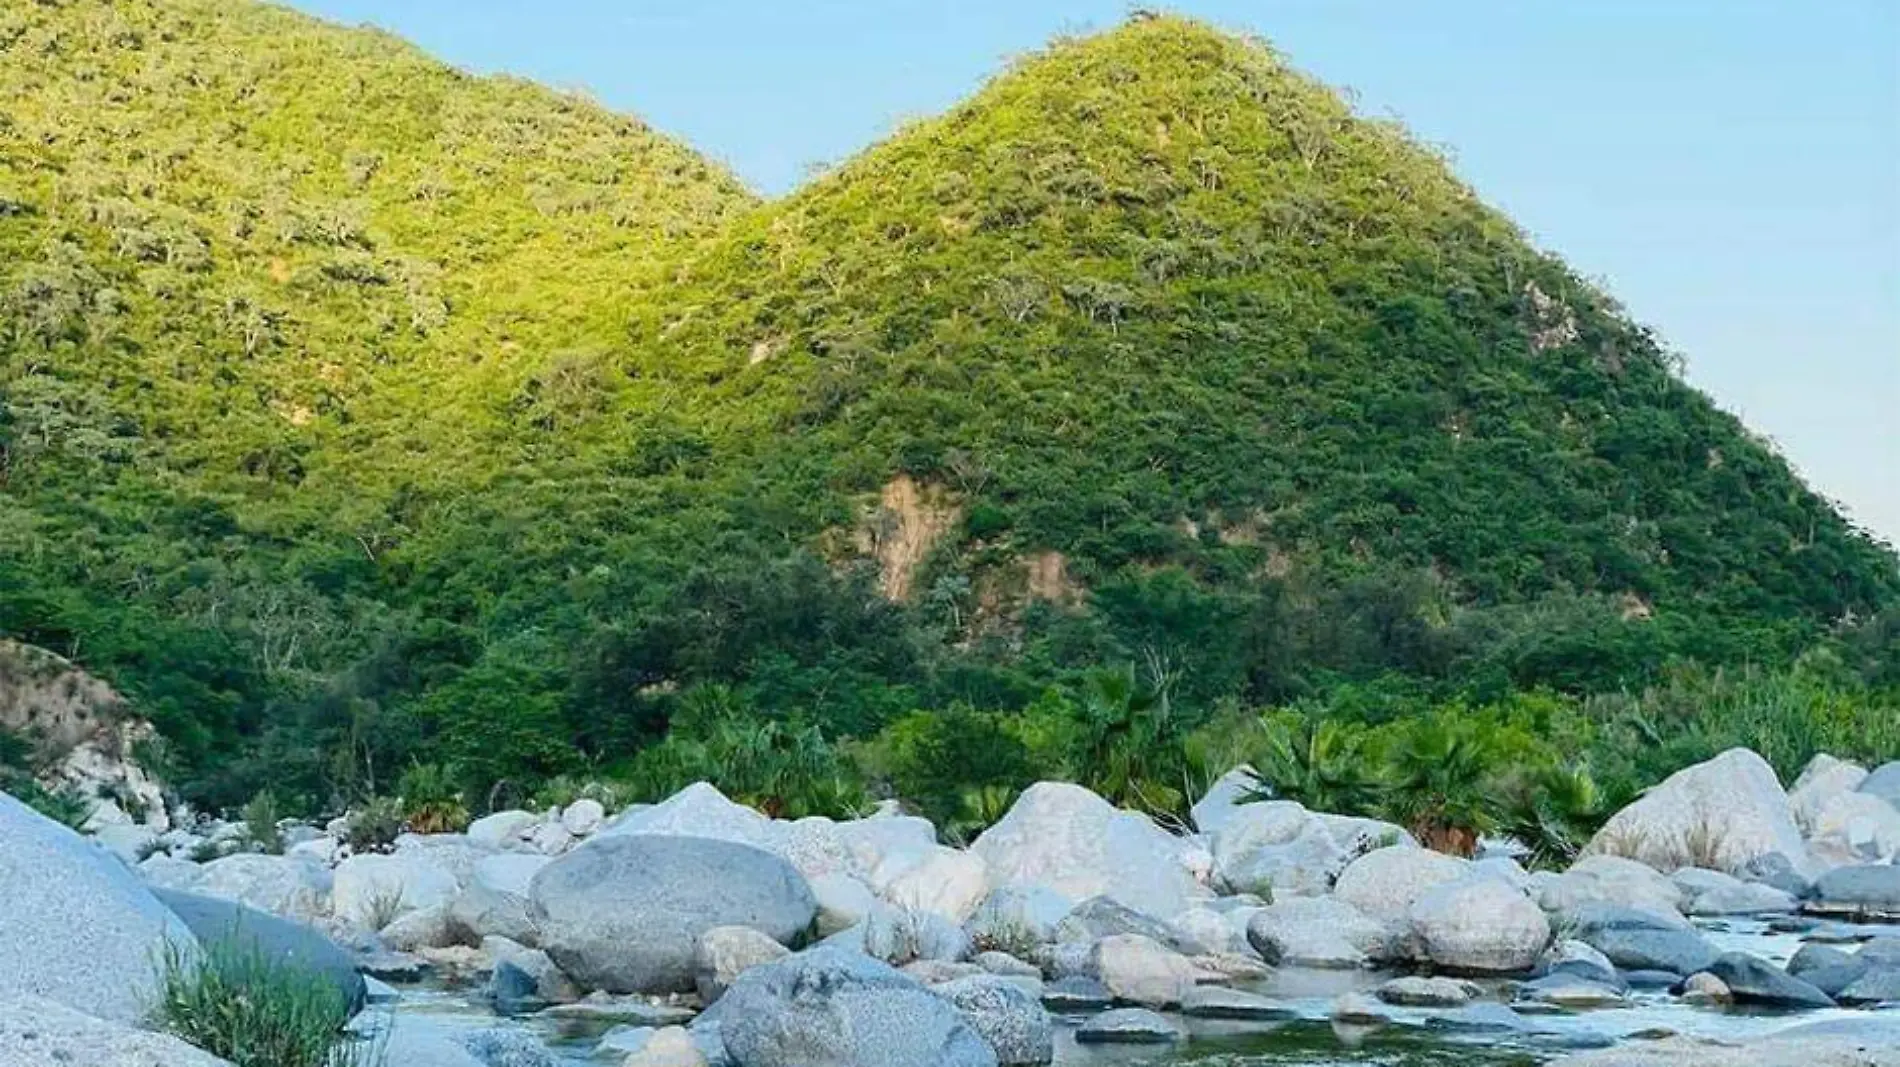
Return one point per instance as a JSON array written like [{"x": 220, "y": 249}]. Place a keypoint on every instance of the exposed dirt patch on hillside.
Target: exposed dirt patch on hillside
[{"x": 911, "y": 520}]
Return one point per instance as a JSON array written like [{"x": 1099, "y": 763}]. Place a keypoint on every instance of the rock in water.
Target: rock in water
[
  {"x": 1644, "y": 941},
  {"x": 1128, "y": 1026},
  {"x": 625, "y": 913},
  {"x": 841, "y": 1009},
  {"x": 1427, "y": 992},
  {"x": 1719, "y": 814},
  {"x": 1317, "y": 932},
  {"x": 1064, "y": 838},
  {"x": 216, "y": 921},
  {"x": 35, "y": 1032},
  {"x": 1870, "y": 891},
  {"x": 76, "y": 925},
  {"x": 1143, "y": 971},
  {"x": 1006, "y": 1016},
  {"x": 1752, "y": 980}
]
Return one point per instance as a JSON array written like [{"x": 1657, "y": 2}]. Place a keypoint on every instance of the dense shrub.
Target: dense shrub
[{"x": 254, "y": 1010}]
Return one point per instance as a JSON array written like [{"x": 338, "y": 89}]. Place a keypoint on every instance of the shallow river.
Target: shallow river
[{"x": 1480, "y": 1036}]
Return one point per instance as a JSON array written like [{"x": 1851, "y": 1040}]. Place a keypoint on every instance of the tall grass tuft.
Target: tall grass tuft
[{"x": 234, "y": 1001}]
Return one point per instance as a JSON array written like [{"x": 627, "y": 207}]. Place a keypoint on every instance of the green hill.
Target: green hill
[{"x": 360, "y": 412}]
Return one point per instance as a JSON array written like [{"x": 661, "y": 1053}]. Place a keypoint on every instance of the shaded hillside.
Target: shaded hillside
[
  {"x": 359, "y": 412},
  {"x": 266, "y": 285},
  {"x": 257, "y": 241}
]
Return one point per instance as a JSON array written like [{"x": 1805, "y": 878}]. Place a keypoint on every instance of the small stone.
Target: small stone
[
  {"x": 1128, "y": 1026},
  {"x": 1005, "y": 964},
  {"x": 1705, "y": 988},
  {"x": 1220, "y": 1002},
  {"x": 1427, "y": 992},
  {"x": 1358, "y": 1009},
  {"x": 1076, "y": 994}
]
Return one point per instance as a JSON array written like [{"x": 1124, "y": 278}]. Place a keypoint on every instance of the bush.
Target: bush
[
  {"x": 260, "y": 824},
  {"x": 430, "y": 802},
  {"x": 236, "y": 1002},
  {"x": 375, "y": 825}
]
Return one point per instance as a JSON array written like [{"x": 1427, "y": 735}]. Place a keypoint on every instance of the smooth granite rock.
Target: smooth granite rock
[
  {"x": 625, "y": 913},
  {"x": 76, "y": 925},
  {"x": 842, "y": 1009}
]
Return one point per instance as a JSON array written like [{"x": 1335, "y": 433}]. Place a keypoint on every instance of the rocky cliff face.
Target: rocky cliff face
[{"x": 82, "y": 734}]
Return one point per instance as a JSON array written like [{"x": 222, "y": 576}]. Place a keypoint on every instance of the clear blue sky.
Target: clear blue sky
[{"x": 1730, "y": 168}]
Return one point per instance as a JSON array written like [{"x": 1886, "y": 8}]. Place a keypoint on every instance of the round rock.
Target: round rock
[{"x": 625, "y": 914}]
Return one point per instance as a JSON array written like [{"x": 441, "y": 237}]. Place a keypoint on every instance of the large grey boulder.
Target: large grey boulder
[
  {"x": 225, "y": 922},
  {"x": 1006, "y": 1016},
  {"x": 1720, "y": 814},
  {"x": 286, "y": 886},
  {"x": 36, "y": 1032},
  {"x": 947, "y": 882},
  {"x": 503, "y": 829},
  {"x": 625, "y": 913},
  {"x": 1222, "y": 799},
  {"x": 1868, "y": 891},
  {"x": 1707, "y": 892},
  {"x": 1884, "y": 783},
  {"x": 76, "y": 925},
  {"x": 1752, "y": 980},
  {"x": 699, "y": 810},
  {"x": 479, "y": 911},
  {"x": 371, "y": 890},
  {"x": 1823, "y": 779},
  {"x": 1064, "y": 838},
  {"x": 1100, "y": 917},
  {"x": 1610, "y": 881},
  {"x": 1876, "y": 986},
  {"x": 842, "y": 1009},
  {"x": 1856, "y": 828},
  {"x": 508, "y": 872},
  {"x": 1320, "y": 932},
  {"x": 843, "y": 902},
  {"x": 1638, "y": 940},
  {"x": 1276, "y": 849},
  {"x": 1384, "y": 883},
  {"x": 1479, "y": 926},
  {"x": 1018, "y": 918}
]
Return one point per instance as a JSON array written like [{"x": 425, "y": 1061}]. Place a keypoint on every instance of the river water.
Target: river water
[{"x": 1483, "y": 1035}]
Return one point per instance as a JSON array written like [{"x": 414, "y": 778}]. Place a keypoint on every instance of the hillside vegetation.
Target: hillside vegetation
[{"x": 362, "y": 417}]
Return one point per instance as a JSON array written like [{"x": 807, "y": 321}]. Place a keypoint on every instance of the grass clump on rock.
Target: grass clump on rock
[{"x": 257, "y": 1011}]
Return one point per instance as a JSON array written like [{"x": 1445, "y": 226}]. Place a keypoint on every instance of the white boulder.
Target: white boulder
[
  {"x": 503, "y": 829},
  {"x": 371, "y": 890},
  {"x": 1719, "y": 814},
  {"x": 1385, "y": 882},
  {"x": 949, "y": 883},
  {"x": 1614, "y": 881},
  {"x": 1066, "y": 839},
  {"x": 1823, "y": 779},
  {"x": 1479, "y": 926},
  {"x": 77, "y": 926}
]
